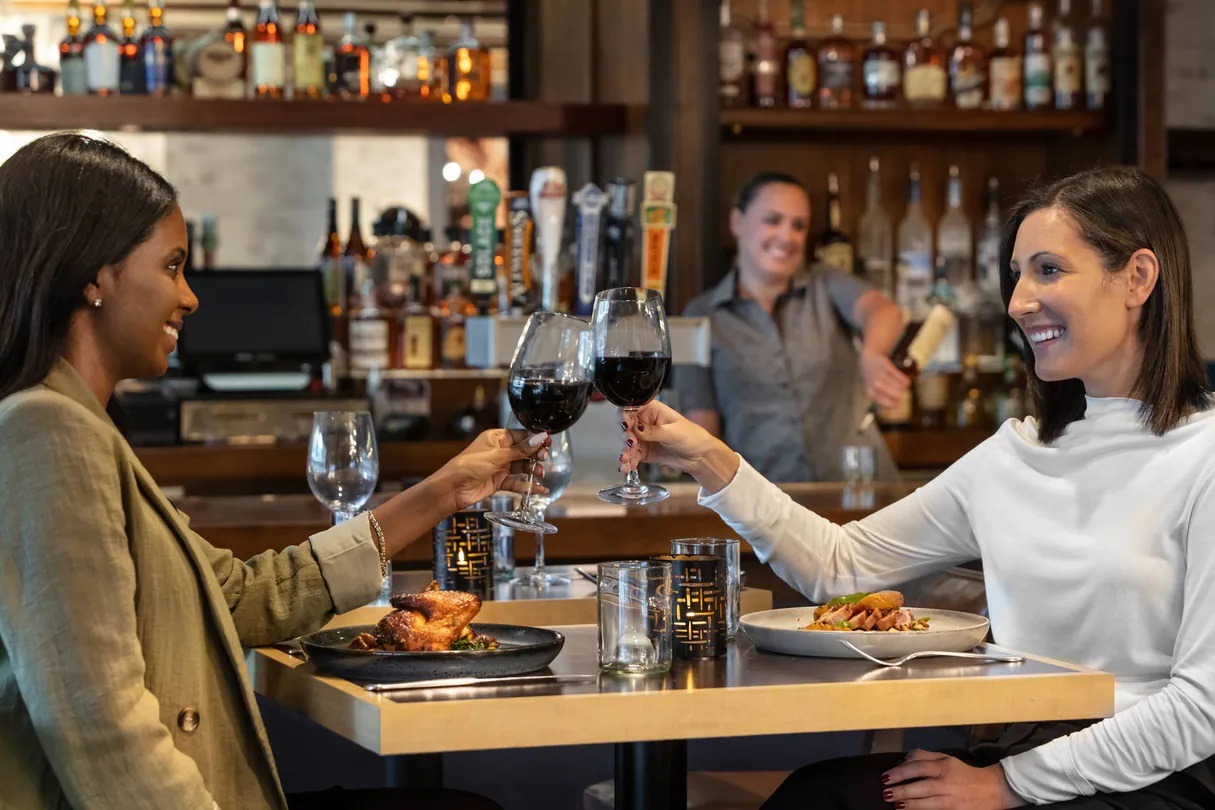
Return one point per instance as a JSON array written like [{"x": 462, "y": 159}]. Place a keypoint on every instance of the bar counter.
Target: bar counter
[{"x": 590, "y": 530}]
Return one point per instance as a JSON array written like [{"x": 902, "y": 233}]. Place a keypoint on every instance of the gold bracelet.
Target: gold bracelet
[{"x": 379, "y": 541}]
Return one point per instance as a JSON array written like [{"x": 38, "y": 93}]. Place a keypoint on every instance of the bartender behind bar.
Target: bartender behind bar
[{"x": 787, "y": 388}]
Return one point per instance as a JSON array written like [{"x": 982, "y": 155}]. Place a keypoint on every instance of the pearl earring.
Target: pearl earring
[{"x": 96, "y": 303}]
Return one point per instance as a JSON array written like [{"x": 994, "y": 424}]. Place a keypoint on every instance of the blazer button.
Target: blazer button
[{"x": 188, "y": 719}]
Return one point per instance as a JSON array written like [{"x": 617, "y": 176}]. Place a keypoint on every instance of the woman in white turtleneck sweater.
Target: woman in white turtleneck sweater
[{"x": 1095, "y": 522}]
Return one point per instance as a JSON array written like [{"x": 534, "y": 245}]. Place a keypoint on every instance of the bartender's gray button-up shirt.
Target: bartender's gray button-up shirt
[{"x": 787, "y": 386}]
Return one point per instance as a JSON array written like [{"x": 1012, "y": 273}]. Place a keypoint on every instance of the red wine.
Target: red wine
[
  {"x": 632, "y": 381},
  {"x": 545, "y": 404}
]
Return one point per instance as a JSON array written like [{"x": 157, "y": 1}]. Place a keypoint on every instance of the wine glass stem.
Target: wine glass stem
[
  {"x": 632, "y": 480},
  {"x": 525, "y": 504},
  {"x": 538, "y": 568},
  {"x": 341, "y": 516}
]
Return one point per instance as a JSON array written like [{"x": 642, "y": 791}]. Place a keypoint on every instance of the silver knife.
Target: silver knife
[{"x": 509, "y": 679}]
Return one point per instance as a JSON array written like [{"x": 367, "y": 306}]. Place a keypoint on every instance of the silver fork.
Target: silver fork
[{"x": 898, "y": 662}]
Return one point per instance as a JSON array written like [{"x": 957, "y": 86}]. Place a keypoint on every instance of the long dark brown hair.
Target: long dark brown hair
[
  {"x": 1119, "y": 210},
  {"x": 70, "y": 204}
]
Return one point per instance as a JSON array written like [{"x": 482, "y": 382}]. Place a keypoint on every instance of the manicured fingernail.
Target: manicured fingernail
[
  {"x": 630, "y": 442},
  {"x": 624, "y": 425},
  {"x": 885, "y": 779},
  {"x": 537, "y": 440},
  {"x": 888, "y": 795},
  {"x": 900, "y": 806},
  {"x": 640, "y": 427}
]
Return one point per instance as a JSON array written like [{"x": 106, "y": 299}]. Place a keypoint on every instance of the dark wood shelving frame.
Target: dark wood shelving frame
[
  {"x": 278, "y": 117},
  {"x": 1191, "y": 150},
  {"x": 939, "y": 120}
]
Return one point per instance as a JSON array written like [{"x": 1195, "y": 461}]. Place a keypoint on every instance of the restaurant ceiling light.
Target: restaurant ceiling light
[{"x": 451, "y": 171}]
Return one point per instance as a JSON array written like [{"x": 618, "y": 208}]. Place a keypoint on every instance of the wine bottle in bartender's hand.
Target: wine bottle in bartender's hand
[{"x": 914, "y": 351}]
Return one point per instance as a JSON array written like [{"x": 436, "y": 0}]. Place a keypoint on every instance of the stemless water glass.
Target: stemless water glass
[
  {"x": 632, "y": 360},
  {"x": 635, "y": 630},
  {"x": 343, "y": 464},
  {"x": 558, "y": 468},
  {"x": 548, "y": 388}
]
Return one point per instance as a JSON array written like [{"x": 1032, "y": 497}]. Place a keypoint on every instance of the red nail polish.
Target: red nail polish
[
  {"x": 629, "y": 442},
  {"x": 888, "y": 795},
  {"x": 900, "y": 806},
  {"x": 624, "y": 425},
  {"x": 640, "y": 427}
]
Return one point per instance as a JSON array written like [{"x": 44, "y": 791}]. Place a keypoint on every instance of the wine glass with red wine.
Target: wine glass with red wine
[
  {"x": 632, "y": 360},
  {"x": 548, "y": 388}
]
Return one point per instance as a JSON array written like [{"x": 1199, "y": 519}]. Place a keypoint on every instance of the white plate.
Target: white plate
[{"x": 777, "y": 631}]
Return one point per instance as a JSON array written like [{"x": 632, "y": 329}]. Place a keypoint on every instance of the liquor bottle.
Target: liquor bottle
[
  {"x": 1068, "y": 79},
  {"x": 921, "y": 339},
  {"x": 970, "y": 406},
  {"x": 430, "y": 85},
  {"x": 967, "y": 65},
  {"x": 130, "y": 58},
  {"x": 370, "y": 329},
  {"x": 1037, "y": 62},
  {"x": 1010, "y": 403},
  {"x": 1004, "y": 69},
  {"x": 331, "y": 265},
  {"x": 157, "y": 47},
  {"x": 988, "y": 264},
  {"x": 29, "y": 76},
  {"x": 924, "y": 81},
  {"x": 268, "y": 62},
  {"x": 732, "y": 60},
  {"x": 619, "y": 234},
  {"x": 101, "y": 58},
  {"x": 767, "y": 66},
  {"x": 401, "y": 62},
  {"x": 836, "y": 58},
  {"x": 954, "y": 242},
  {"x": 236, "y": 36},
  {"x": 1096, "y": 61},
  {"x": 417, "y": 326},
  {"x": 881, "y": 70},
  {"x": 914, "y": 250},
  {"x": 355, "y": 256},
  {"x": 876, "y": 238},
  {"x": 834, "y": 247},
  {"x": 71, "y": 56},
  {"x": 382, "y": 77},
  {"x": 453, "y": 306},
  {"x": 800, "y": 72},
  {"x": 352, "y": 61},
  {"x": 468, "y": 68},
  {"x": 308, "y": 53}
]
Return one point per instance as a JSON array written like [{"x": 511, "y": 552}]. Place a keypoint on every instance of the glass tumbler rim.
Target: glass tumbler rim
[{"x": 633, "y": 565}]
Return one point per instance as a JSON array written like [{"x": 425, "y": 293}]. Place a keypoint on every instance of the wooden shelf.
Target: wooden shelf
[
  {"x": 932, "y": 449},
  {"x": 942, "y": 120},
  {"x": 1192, "y": 150},
  {"x": 189, "y": 114}
]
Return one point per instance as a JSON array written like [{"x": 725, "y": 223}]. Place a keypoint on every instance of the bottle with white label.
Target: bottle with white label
[
  {"x": 881, "y": 70},
  {"x": 914, "y": 248},
  {"x": 269, "y": 58},
  {"x": 1037, "y": 63},
  {"x": 732, "y": 58},
  {"x": 101, "y": 54},
  {"x": 1004, "y": 71},
  {"x": 836, "y": 71},
  {"x": 1096, "y": 61},
  {"x": 924, "y": 81},
  {"x": 1068, "y": 88},
  {"x": 967, "y": 65}
]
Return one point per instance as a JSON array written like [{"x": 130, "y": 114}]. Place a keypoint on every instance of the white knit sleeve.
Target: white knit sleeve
[{"x": 927, "y": 531}]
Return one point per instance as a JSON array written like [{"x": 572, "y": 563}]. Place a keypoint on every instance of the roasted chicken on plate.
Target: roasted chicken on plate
[
  {"x": 430, "y": 621},
  {"x": 882, "y": 611}
]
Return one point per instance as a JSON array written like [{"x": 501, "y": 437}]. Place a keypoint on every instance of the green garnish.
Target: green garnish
[
  {"x": 850, "y": 599},
  {"x": 842, "y": 625},
  {"x": 469, "y": 644}
]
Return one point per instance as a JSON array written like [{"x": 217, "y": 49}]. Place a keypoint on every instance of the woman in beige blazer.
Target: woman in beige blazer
[{"x": 122, "y": 681}]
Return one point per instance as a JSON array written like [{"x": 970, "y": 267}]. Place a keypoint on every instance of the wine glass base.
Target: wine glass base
[
  {"x": 634, "y": 496},
  {"x": 521, "y": 521},
  {"x": 541, "y": 581}
]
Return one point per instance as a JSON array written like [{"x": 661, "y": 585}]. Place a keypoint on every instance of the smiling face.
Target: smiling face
[
  {"x": 1080, "y": 319},
  {"x": 771, "y": 233},
  {"x": 144, "y": 300}
]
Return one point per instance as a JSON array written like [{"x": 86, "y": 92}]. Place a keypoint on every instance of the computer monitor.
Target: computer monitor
[{"x": 256, "y": 321}]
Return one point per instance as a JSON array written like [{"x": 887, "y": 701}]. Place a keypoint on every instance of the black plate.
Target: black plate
[{"x": 520, "y": 649}]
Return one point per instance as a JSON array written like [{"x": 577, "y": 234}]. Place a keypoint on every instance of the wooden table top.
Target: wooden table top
[
  {"x": 748, "y": 692},
  {"x": 576, "y": 603},
  {"x": 588, "y": 528}
]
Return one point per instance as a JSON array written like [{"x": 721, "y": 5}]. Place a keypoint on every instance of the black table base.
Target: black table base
[
  {"x": 414, "y": 771},
  {"x": 652, "y": 775}
]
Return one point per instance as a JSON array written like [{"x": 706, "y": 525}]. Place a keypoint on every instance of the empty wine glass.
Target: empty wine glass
[
  {"x": 343, "y": 465},
  {"x": 558, "y": 468},
  {"x": 632, "y": 360},
  {"x": 548, "y": 388}
]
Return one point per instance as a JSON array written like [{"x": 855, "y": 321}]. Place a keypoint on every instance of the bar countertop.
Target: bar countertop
[{"x": 590, "y": 530}]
